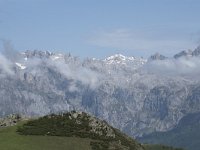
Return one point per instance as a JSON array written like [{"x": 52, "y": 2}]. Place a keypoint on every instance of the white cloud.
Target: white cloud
[
  {"x": 181, "y": 66},
  {"x": 7, "y": 56},
  {"x": 72, "y": 71},
  {"x": 77, "y": 73},
  {"x": 6, "y": 67}
]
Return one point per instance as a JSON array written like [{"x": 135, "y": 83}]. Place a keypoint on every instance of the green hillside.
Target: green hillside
[
  {"x": 186, "y": 134},
  {"x": 11, "y": 140},
  {"x": 61, "y": 132},
  {"x": 82, "y": 125}
]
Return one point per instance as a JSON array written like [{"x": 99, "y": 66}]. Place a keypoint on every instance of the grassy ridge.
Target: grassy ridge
[
  {"x": 83, "y": 126},
  {"x": 37, "y": 139}
]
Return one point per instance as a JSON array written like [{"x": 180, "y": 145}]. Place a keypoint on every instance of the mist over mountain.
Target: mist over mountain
[{"x": 133, "y": 94}]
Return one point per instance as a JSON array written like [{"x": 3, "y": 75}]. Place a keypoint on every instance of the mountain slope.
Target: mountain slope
[
  {"x": 186, "y": 134},
  {"x": 79, "y": 124}
]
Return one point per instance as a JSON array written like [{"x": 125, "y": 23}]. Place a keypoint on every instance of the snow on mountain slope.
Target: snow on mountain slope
[
  {"x": 21, "y": 66},
  {"x": 119, "y": 59}
]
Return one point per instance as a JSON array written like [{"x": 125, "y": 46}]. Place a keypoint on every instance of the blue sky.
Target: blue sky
[{"x": 99, "y": 28}]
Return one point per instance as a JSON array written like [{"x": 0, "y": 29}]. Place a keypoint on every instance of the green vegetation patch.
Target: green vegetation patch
[{"x": 60, "y": 125}]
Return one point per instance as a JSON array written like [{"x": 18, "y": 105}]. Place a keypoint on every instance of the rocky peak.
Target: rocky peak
[
  {"x": 185, "y": 53},
  {"x": 37, "y": 54},
  {"x": 196, "y": 52},
  {"x": 157, "y": 56},
  {"x": 118, "y": 59}
]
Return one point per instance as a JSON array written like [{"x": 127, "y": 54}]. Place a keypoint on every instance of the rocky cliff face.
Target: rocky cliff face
[
  {"x": 118, "y": 89},
  {"x": 185, "y": 134}
]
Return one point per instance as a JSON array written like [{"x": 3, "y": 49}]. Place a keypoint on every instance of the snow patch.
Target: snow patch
[{"x": 20, "y": 66}]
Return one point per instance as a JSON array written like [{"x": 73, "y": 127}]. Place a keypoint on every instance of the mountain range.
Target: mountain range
[{"x": 136, "y": 95}]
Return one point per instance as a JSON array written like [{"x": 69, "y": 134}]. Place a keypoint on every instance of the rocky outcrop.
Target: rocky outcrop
[
  {"x": 10, "y": 120},
  {"x": 96, "y": 126}
]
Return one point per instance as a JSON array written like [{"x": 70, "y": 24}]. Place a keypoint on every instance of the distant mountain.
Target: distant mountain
[
  {"x": 157, "y": 56},
  {"x": 196, "y": 52},
  {"x": 118, "y": 58},
  {"x": 187, "y": 53},
  {"x": 121, "y": 59},
  {"x": 186, "y": 134}
]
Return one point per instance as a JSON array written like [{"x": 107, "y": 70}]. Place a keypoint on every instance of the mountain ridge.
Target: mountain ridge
[{"x": 143, "y": 101}]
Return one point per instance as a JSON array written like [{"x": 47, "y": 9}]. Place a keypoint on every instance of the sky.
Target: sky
[{"x": 100, "y": 28}]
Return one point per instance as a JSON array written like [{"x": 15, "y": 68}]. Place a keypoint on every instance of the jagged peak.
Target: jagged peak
[
  {"x": 185, "y": 53},
  {"x": 121, "y": 59},
  {"x": 196, "y": 52},
  {"x": 188, "y": 53},
  {"x": 37, "y": 53},
  {"x": 157, "y": 56}
]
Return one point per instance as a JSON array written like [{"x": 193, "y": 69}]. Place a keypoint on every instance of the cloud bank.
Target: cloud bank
[
  {"x": 8, "y": 51},
  {"x": 182, "y": 66},
  {"x": 77, "y": 73},
  {"x": 7, "y": 56},
  {"x": 6, "y": 66},
  {"x": 72, "y": 71}
]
